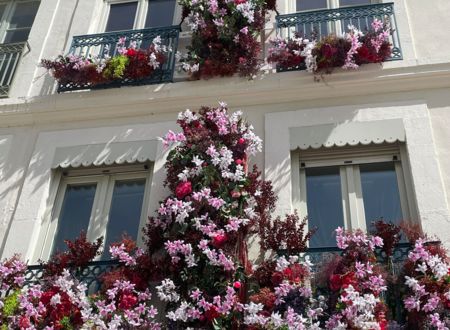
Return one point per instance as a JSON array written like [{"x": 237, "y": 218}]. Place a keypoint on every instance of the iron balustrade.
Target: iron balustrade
[
  {"x": 10, "y": 55},
  {"x": 105, "y": 44},
  {"x": 321, "y": 23}
]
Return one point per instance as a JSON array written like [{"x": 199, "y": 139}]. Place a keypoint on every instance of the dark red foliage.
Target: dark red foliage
[
  {"x": 263, "y": 274},
  {"x": 79, "y": 253},
  {"x": 289, "y": 234},
  {"x": 390, "y": 234}
]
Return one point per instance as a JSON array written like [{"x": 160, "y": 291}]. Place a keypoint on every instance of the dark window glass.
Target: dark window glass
[
  {"x": 21, "y": 21},
  {"x": 343, "y": 3},
  {"x": 125, "y": 211},
  {"x": 160, "y": 13},
  {"x": 121, "y": 16},
  {"x": 380, "y": 193},
  {"x": 75, "y": 213},
  {"x": 311, "y": 4},
  {"x": 324, "y": 201}
]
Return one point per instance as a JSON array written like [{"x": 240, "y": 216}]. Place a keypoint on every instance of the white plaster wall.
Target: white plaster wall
[{"x": 429, "y": 21}]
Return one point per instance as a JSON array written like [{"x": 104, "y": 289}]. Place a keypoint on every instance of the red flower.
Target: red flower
[
  {"x": 219, "y": 240},
  {"x": 211, "y": 313},
  {"x": 277, "y": 278},
  {"x": 127, "y": 301},
  {"x": 131, "y": 52},
  {"x": 238, "y": 161},
  {"x": 24, "y": 322},
  {"x": 335, "y": 282},
  {"x": 241, "y": 141},
  {"x": 183, "y": 189},
  {"x": 237, "y": 285},
  {"x": 238, "y": 2}
]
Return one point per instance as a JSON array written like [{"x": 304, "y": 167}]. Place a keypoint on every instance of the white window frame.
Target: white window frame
[
  {"x": 7, "y": 15},
  {"x": 351, "y": 189},
  {"x": 141, "y": 13},
  {"x": 105, "y": 179}
]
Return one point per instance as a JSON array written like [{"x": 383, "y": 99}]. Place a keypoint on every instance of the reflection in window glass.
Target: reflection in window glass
[
  {"x": 343, "y": 3},
  {"x": 75, "y": 213},
  {"x": 324, "y": 202},
  {"x": 125, "y": 212},
  {"x": 121, "y": 16},
  {"x": 380, "y": 193},
  {"x": 21, "y": 21},
  {"x": 311, "y": 4},
  {"x": 160, "y": 13}
]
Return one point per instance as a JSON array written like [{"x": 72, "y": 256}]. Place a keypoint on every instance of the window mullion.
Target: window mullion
[
  {"x": 402, "y": 191},
  {"x": 141, "y": 14},
  {"x": 345, "y": 198},
  {"x": 99, "y": 220},
  {"x": 361, "y": 216},
  {"x": 352, "y": 197}
]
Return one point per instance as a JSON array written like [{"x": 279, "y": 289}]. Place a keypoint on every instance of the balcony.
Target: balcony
[
  {"x": 96, "y": 45},
  {"x": 10, "y": 55},
  {"x": 321, "y": 23}
]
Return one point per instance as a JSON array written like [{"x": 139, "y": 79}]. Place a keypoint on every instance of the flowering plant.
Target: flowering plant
[
  {"x": 427, "y": 279},
  {"x": 321, "y": 56},
  {"x": 287, "y": 302},
  {"x": 130, "y": 62},
  {"x": 225, "y": 36},
  {"x": 355, "y": 284}
]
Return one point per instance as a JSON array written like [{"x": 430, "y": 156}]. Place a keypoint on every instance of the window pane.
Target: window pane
[
  {"x": 121, "y": 16},
  {"x": 324, "y": 199},
  {"x": 380, "y": 193},
  {"x": 24, "y": 14},
  {"x": 75, "y": 213},
  {"x": 160, "y": 13},
  {"x": 343, "y": 3},
  {"x": 311, "y": 4},
  {"x": 125, "y": 212},
  {"x": 2, "y": 10},
  {"x": 16, "y": 36}
]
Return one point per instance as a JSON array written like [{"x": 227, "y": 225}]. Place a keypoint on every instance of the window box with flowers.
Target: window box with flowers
[{"x": 114, "y": 59}]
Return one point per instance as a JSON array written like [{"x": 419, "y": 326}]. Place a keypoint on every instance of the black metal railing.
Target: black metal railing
[
  {"x": 320, "y": 23},
  {"x": 105, "y": 44},
  {"x": 91, "y": 275},
  {"x": 10, "y": 55}
]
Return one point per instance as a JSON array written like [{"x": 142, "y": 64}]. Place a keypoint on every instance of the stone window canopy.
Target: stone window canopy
[
  {"x": 347, "y": 134},
  {"x": 115, "y": 153}
]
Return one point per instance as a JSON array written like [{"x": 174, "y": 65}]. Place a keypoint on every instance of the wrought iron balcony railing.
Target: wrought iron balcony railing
[
  {"x": 102, "y": 44},
  {"x": 320, "y": 23},
  {"x": 10, "y": 55}
]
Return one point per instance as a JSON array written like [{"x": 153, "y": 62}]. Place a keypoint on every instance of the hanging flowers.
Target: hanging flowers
[
  {"x": 225, "y": 36},
  {"x": 322, "y": 56}
]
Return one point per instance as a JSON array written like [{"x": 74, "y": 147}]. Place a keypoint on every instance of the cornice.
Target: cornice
[{"x": 272, "y": 88}]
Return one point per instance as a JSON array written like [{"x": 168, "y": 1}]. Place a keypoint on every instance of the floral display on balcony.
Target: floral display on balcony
[
  {"x": 194, "y": 271},
  {"x": 225, "y": 36},
  {"x": 322, "y": 56},
  {"x": 128, "y": 63}
]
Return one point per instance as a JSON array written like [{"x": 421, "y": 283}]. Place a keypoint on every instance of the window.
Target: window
[
  {"x": 322, "y": 28},
  {"x": 351, "y": 187},
  {"x": 108, "y": 204},
  {"x": 17, "y": 18},
  {"x": 128, "y": 15}
]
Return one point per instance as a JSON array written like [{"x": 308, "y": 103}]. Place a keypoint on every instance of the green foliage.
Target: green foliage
[
  {"x": 11, "y": 303},
  {"x": 65, "y": 323},
  {"x": 115, "y": 68}
]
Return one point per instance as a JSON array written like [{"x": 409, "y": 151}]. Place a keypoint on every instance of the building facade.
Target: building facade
[{"x": 349, "y": 149}]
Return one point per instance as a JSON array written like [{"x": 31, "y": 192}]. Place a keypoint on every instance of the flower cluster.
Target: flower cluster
[
  {"x": 225, "y": 36},
  {"x": 427, "y": 278},
  {"x": 355, "y": 283},
  {"x": 348, "y": 52},
  {"x": 127, "y": 62},
  {"x": 287, "y": 301}
]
